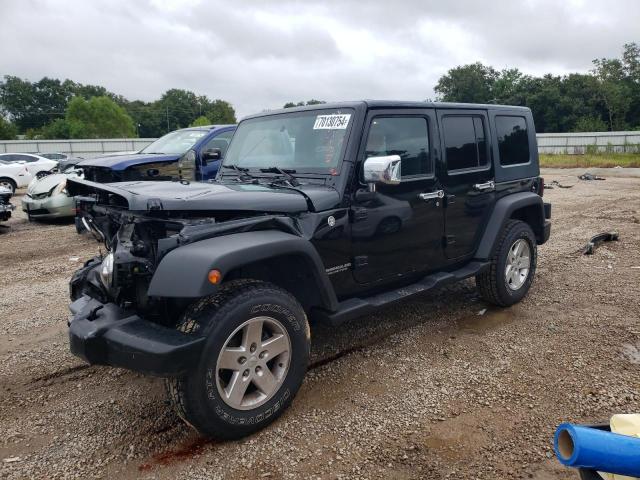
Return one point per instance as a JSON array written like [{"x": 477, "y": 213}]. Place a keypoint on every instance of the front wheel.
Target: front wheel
[
  {"x": 253, "y": 362},
  {"x": 513, "y": 266}
]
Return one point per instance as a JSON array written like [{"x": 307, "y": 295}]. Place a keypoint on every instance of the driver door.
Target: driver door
[{"x": 397, "y": 230}]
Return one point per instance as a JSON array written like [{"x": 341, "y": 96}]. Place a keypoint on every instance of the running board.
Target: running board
[{"x": 355, "y": 307}]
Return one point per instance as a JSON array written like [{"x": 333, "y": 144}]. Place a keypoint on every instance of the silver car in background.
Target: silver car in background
[{"x": 48, "y": 198}]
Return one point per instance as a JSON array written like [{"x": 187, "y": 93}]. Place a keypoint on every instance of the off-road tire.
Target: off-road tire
[
  {"x": 195, "y": 396},
  {"x": 491, "y": 283}
]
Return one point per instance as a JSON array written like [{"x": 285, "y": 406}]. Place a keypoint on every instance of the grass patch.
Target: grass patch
[{"x": 605, "y": 160}]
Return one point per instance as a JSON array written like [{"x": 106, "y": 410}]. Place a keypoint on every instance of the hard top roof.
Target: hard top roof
[{"x": 390, "y": 104}]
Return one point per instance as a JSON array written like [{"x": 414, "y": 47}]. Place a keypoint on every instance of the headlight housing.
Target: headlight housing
[{"x": 106, "y": 270}]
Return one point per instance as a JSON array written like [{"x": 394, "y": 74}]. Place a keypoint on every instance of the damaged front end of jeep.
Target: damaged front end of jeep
[
  {"x": 114, "y": 319},
  {"x": 133, "y": 245}
]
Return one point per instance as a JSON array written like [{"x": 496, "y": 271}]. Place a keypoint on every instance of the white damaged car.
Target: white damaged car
[
  {"x": 38, "y": 166},
  {"x": 14, "y": 175}
]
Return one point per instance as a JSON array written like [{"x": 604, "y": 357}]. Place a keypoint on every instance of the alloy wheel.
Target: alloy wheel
[
  {"x": 518, "y": 264},
  {"x": 6, "y": 184},
  {"x": 253, "y": 363}
]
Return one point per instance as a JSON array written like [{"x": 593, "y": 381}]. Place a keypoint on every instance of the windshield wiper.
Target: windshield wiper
[
  {"x": 290, "y": 179},
  {"x": 243, "y": 173}
]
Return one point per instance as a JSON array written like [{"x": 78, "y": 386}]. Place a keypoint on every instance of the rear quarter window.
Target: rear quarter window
[{"x": 513, "y": 140}]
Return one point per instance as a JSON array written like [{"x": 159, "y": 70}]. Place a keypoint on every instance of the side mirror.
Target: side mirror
[
  {"x": 187, "y": 165},
  {"x": 382, "y": 170},
  {"x": 211, "y": 154}
]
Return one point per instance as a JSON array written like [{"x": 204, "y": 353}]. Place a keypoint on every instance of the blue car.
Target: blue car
[{"x": 159, "y": 160}]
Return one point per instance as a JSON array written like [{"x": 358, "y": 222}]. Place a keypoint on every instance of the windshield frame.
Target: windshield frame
[{"x": 312, "y": 171}]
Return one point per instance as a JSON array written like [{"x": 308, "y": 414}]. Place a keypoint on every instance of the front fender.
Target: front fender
[{"x": 183, "y": 272}]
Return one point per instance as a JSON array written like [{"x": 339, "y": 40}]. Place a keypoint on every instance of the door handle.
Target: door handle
[
  {"x": 490, "y": 185},
  {"x": 431, "y": 195}
]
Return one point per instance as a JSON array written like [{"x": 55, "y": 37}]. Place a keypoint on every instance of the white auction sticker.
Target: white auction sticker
[{"x": 332, "y": 122}]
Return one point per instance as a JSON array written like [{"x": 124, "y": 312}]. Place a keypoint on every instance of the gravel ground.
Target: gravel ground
[{"x": 427, "y": 389}]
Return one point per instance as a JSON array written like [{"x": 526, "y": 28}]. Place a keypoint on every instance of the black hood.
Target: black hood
[{"x": 176, "y": 196}]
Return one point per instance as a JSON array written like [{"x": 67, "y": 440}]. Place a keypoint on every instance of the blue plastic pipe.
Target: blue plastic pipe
[{"x": 584, "y": 447}]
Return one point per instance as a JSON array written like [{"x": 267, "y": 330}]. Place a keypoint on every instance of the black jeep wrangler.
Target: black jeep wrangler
[{"x": 320, "y": 213}]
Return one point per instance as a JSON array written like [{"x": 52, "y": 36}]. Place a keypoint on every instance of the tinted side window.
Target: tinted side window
[
  {"x": 26, "y": 158},
  {"x": 478, "y": 125},
  {"x": 465, "y": 141},
  {"x": 8, "y": 158},
  {"x": 404, "y": 136},
  {"x": 513, "y": 140}
]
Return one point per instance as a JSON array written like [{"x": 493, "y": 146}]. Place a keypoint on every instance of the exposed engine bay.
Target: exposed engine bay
[{"x": 136, "y": 241}]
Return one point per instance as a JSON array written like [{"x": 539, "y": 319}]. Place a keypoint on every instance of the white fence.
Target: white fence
[
  {"x": 568, "y": 143},
  {"x": 77, "y": 148},
  {"x": 596, "y": 142}
]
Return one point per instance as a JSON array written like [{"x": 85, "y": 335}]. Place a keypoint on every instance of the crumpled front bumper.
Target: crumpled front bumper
[
  {"x": 105, "y": 334},
  {"x": 55, "y": 206}
]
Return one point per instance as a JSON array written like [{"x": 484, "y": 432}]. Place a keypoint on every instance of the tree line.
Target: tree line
[
  {"x": 55, "y": 109},
  {"x": 605, "y": 98}
]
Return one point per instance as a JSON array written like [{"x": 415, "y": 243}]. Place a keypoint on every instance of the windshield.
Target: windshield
[
  {"x": 310, "y": 141},
  {"x": 175, "y": 142}
]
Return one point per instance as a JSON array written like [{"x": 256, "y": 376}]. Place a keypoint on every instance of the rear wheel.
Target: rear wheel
[
  {"x": 8, "y": 184},
  {"x": 253, "y": 362},
  {"x": 513, "y": 266}
]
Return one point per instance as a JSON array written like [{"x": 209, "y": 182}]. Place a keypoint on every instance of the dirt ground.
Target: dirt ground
[{"x": 429, "y": 388}]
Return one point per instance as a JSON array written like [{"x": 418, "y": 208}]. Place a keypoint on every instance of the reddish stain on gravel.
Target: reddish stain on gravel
[{"x": 170, "y": 457}]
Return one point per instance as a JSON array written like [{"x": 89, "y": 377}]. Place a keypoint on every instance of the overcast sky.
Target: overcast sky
[{"x": 259, "y": 54}]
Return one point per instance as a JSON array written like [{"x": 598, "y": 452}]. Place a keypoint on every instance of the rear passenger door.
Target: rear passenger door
[{"x": 467, "y": 178}]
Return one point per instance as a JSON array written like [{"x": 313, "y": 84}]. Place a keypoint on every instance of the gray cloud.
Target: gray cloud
[{"x": 259, "y": 55}]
